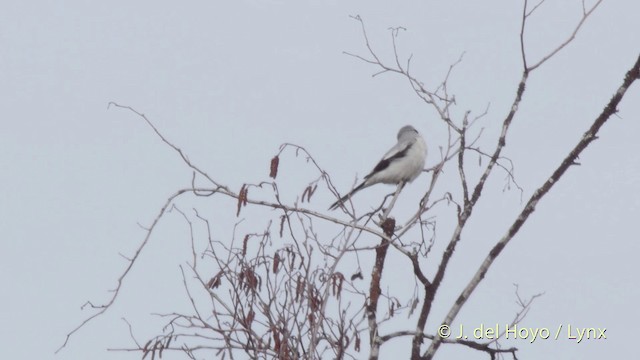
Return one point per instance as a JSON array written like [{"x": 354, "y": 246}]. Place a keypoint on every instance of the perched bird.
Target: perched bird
[{"x": 401, "y": 164}]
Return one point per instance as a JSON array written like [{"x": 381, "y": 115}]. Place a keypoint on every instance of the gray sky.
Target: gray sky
[{"x": 230, "y": 82}]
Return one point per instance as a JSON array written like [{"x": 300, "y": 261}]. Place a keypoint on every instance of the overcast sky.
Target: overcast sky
[{"x": 230, "y": 81}]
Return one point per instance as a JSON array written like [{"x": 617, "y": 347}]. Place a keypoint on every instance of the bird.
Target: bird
[{"x": 403, "y": 163}]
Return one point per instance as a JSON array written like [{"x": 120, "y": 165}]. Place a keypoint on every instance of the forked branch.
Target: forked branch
[{"x": 589, "y": 136}]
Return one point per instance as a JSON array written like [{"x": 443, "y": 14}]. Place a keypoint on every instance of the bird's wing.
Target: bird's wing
[{"x": 396, "y": 153}]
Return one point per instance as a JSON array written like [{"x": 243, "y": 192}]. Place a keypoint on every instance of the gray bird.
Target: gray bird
[{"x": 400, "y": 165}]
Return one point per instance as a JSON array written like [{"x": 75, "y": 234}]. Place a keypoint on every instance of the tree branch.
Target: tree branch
[{"x": 589, "y": 136}]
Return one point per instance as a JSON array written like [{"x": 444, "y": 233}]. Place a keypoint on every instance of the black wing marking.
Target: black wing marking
[{"x": 384, "y": 163}]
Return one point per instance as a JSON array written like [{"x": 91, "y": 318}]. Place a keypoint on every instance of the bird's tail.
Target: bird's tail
[{"x": 340, "y": 201}]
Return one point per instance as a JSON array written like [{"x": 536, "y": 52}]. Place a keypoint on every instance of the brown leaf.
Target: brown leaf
[
  {"x": 250, "y": 280},
  {"x": 311, "y": 191},
  {"x": 244, "y": 245},
  {"x": 145, "y": 352},
  {"x": 276, "y": 341},
  {"x": 299, "y": 287},
  {"x": 304, "y": 193},
  {"x": 414, "y": 304},
  {"x": 273, "y": 172},
  {"x": 292, "y": 256},
  {"x": 146, "y": 346},
  {"x": 282, "y": 218},
  {"x": 336, "y": 283},
  {"x": 314, "y": 299},
  {"x": 249, "y": 319},
  {"x": 242, "y": 198}
]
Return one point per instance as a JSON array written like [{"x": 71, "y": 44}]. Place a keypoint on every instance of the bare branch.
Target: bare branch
[
  {"x": 589, "y": 136},
  {"x": 177, "y": 149},
  {"x": 585, "y": 14},
  {"x": 439, "y": 103},
  {"x": 115, "y": 292}
]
